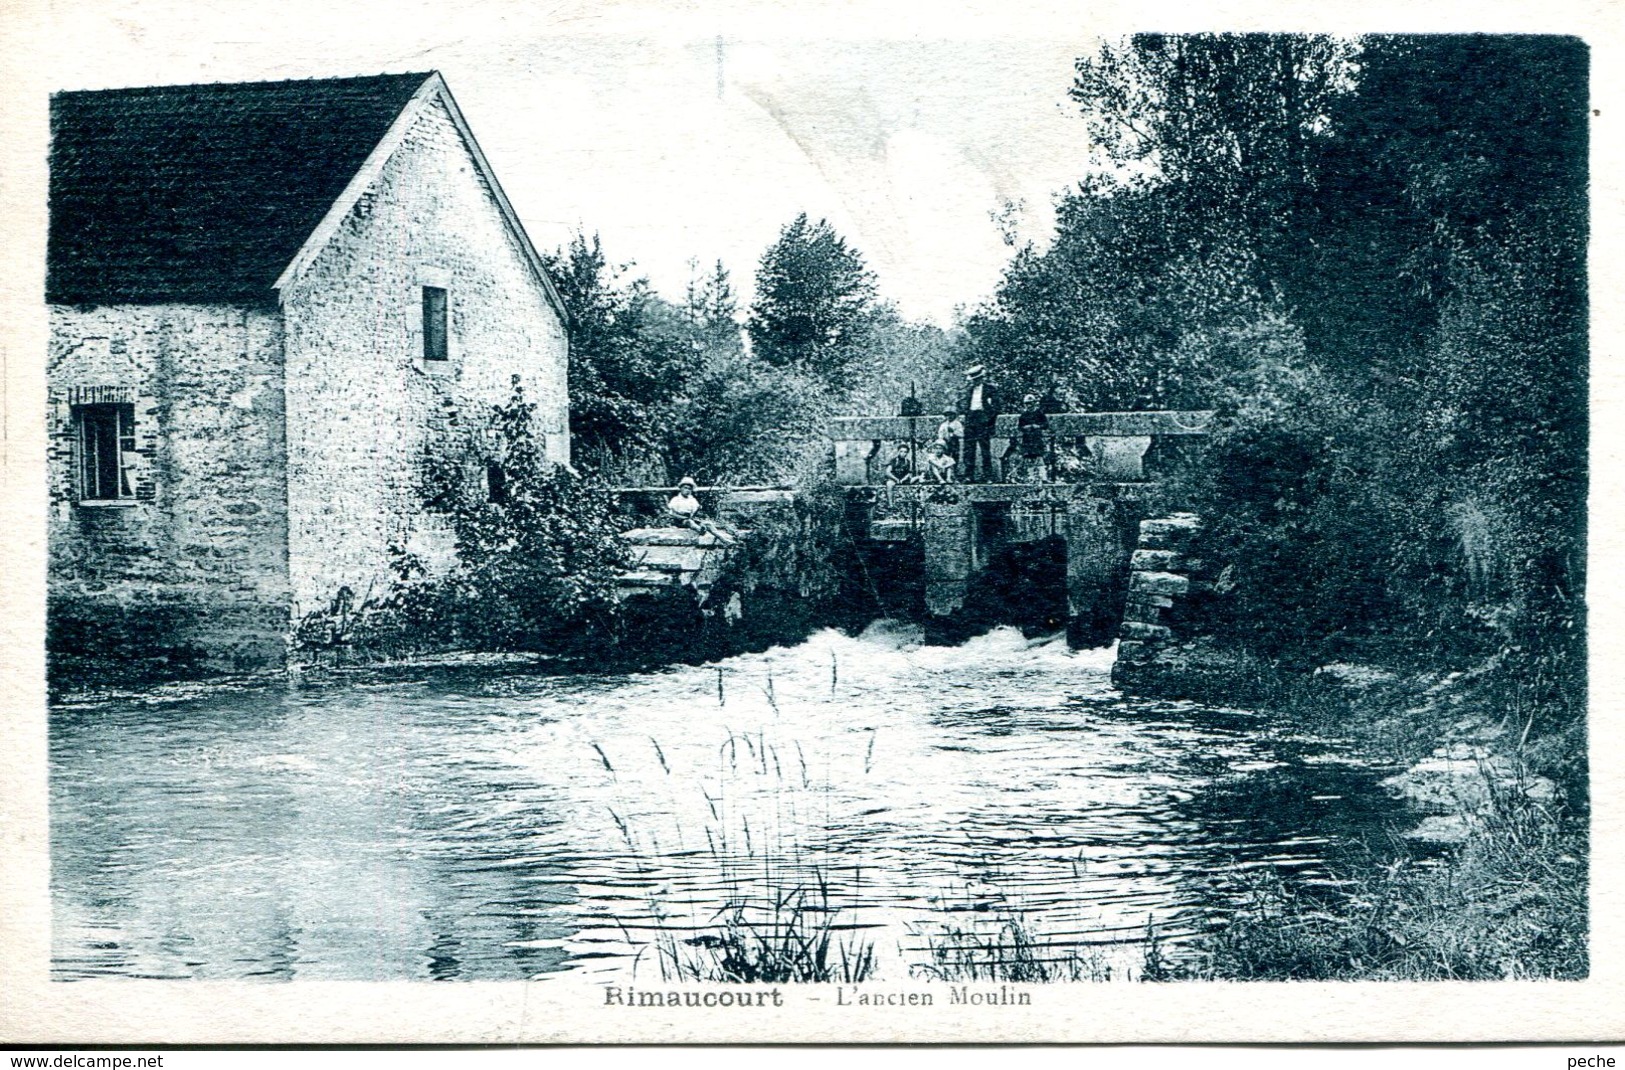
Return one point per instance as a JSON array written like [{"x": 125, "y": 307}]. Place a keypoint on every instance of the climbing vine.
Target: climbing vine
[
  {"x": 537, "y": 552},
  {"x": 536, "y": 555}
]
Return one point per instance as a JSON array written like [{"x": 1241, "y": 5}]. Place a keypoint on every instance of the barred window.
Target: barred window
[{"x": 106, "y": 435}]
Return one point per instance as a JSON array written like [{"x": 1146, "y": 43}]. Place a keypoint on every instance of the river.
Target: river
[{"x": 491, "y": 824}]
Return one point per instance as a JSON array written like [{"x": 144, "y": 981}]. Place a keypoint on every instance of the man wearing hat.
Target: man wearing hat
[{"x": 981, "y": 412}]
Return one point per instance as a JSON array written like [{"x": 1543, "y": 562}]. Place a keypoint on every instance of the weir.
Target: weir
[
  {"x": 957, "y": 556},
  {"x": 1016, "y": 542}
]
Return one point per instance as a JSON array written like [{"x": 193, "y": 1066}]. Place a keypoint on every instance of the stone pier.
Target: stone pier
[{"x": 962, "y": 528}]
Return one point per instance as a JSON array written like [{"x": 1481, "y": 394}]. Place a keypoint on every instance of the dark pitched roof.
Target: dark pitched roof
[{"x": 202, "y": 193}]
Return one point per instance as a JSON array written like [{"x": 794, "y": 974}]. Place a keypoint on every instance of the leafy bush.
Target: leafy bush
[
  {"x": 1287, "y": 489},
  {"x": 537, "y": 551},
  {"x": 536, "y": 559},
  {"x": 744, "y": 421},
  {"x": 1509, "y": 904}
]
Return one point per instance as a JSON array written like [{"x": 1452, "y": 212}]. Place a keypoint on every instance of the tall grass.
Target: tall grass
[
  {"x": 781, "y": 917},
  {"x": 795, "y": 936},
  {"x": 1006, "y": 947}
]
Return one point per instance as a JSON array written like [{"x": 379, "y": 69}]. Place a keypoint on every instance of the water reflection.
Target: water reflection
[{"x": 480, "y": 825}]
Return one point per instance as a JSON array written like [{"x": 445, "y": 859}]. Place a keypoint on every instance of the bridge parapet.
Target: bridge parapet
[{"x": 1115, "y": 443}]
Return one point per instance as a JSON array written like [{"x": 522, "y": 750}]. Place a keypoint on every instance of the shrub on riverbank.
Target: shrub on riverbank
[{"x": 537, "y": 556}]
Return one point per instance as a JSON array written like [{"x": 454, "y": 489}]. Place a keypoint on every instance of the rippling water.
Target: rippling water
[{"x": 490, "y": 825}]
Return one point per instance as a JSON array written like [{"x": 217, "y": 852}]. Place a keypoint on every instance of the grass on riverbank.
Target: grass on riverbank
[
  {"x": 1508, "y": 901},
  {"x": 783, "y": 917},
  {"x": 1005, "y": 948},
  {"x": 794, "y": 936}
]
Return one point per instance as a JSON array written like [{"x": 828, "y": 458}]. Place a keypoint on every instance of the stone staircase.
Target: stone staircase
[{"x": 671, "y": 557}]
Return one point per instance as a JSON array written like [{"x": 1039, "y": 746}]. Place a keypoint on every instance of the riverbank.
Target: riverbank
[{"x": 1491, "y": 883}]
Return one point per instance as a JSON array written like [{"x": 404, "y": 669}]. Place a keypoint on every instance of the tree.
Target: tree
[
  {"x": 745, "y": 421},
  {"x": 1369, "y": 256},
  {"x": 1230, "y": 123},
  {"x": 815, "y": 302},
  {"x": 907, "y": 357},
  {"x": 626, "y": 365},
  {"x": 712, "y": 305},
  {"x": 1106, "y": 313}
]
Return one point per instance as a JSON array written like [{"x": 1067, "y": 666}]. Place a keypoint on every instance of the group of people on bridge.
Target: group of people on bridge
[
  {"x": 963, "y": 443},
  {"x": 963, "y": 447}
]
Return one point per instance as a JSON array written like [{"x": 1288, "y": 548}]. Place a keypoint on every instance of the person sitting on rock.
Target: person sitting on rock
[{"x": 684, "y": 511}]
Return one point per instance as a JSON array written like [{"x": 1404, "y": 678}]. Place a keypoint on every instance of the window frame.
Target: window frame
[
  {"x": 435, "y": 309},
  {"x": 100, "y": 428}
]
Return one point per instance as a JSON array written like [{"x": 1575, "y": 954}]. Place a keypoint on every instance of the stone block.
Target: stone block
[
  {"x": 1160, "y": 601},
  {"x": 672, "y": 558},
  {"x": 1169, "y": 532},
  {"x": 1133, "y": 629},
  {"x": 1155, "y": 560},
  {"x": 665, "y": 537},
  {"x": 1133, "y": 651},
  {"x": 1163, "y": 583},
  {"x": 1142, "y": 613}
]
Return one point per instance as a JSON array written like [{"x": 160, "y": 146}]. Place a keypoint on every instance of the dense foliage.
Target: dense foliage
[
  {"x": 626, "y": 364},
  {"x": 536, "y": 556},
  {"x": 661, "y": 390},
  {"x": 537, "y": 551},
  {"x": 1368, "y": 256}
]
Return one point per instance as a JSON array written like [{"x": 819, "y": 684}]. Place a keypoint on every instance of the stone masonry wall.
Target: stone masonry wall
[
  {"x": 1166, "y": 590},
  {"x": 364, "y": 407},
  {"x": 193, "y": 569}
]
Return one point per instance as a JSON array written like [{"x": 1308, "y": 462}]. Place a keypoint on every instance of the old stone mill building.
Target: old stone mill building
[{"x": 266, "y": 299}]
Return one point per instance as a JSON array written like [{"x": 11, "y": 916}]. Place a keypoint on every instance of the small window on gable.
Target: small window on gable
[
  {"x": 496, "y": 483},
  {"x": 106, "y": 435},
  {"x": 434, "y": 323}
]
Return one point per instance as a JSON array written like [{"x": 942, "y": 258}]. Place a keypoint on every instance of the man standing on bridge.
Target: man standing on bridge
[{"x": 981, "y": 409}]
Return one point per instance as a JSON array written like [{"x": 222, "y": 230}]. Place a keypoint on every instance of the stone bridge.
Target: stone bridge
[
  {"x": 1080, "y": 533},
  {"x": 1061, "y": 549}
]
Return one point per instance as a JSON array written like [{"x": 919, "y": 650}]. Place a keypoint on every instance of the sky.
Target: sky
[{"x": 681, "y": 136}]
